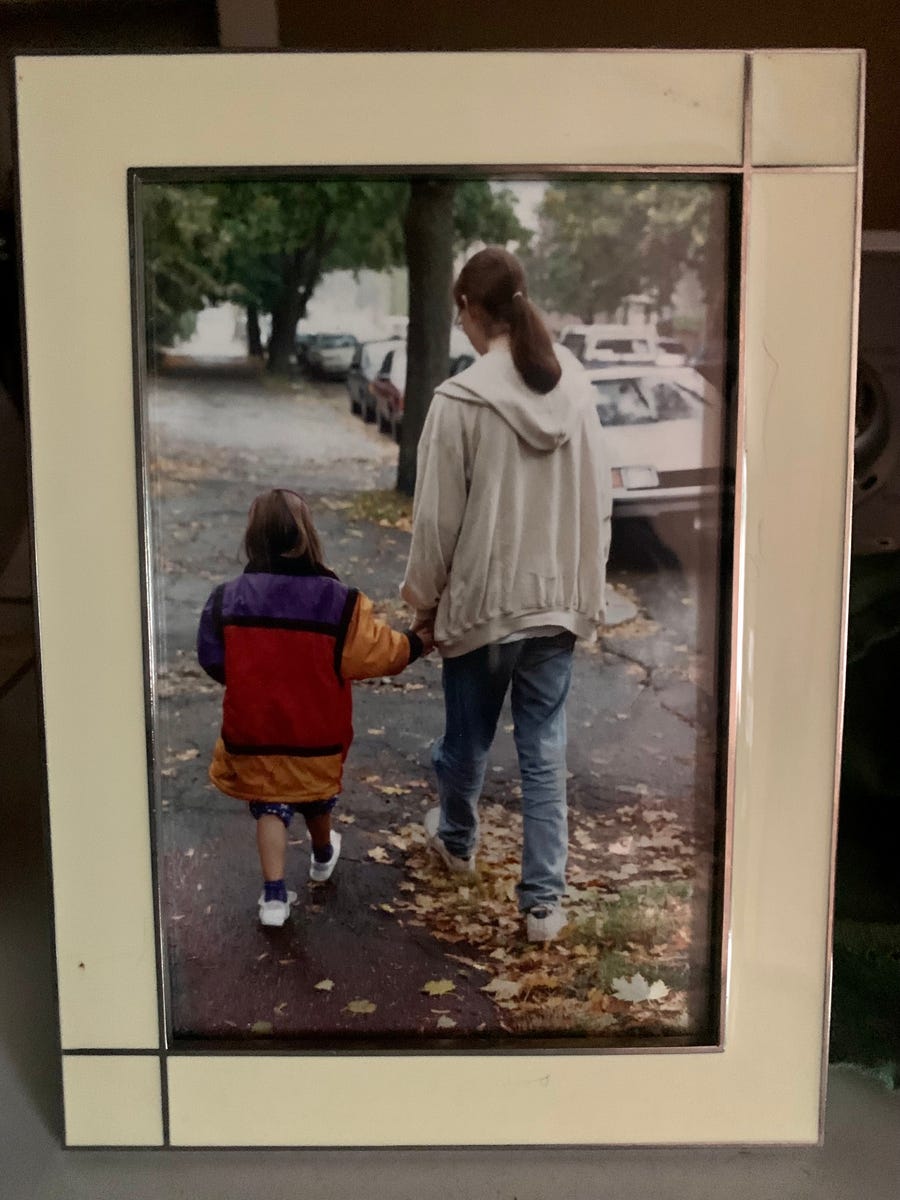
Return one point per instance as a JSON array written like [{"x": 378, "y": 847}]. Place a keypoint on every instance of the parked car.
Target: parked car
[
  {"x": 331, "y": 354},
  {"x": 664, "y": 428},
  {"x": 302, "y": 343},
  {"x": 671, "y": 353},
  {"x": 389, "y": 386},
  {"x": 368, "y": 359},
  {"x": 597, "y": 345}
]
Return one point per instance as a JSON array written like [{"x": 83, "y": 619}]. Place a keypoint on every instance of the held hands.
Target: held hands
[
  {"x": 426, "y": 636},
  {"x": 423, "y": 627}
]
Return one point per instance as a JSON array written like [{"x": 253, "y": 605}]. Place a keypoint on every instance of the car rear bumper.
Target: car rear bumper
[{"x": 703, "y": 501}]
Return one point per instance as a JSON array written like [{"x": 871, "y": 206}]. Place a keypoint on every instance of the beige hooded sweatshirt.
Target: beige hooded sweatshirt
[{"x": 511, "y": 516}]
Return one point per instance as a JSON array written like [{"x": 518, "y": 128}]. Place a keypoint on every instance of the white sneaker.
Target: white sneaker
[
  {"x": 275, "y": 912},
  {"x": 544, "y": 922},
  {"x": 319, "y": 872},
  {"x": 459, "y": 866}
]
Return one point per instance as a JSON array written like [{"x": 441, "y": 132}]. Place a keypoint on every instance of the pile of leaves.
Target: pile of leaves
[
  {"x": 621, "y": 967},
  {"x": 384, "y": 507}
]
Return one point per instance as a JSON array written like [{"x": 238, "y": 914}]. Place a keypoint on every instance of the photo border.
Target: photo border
[
  {"x": 712, "y": 1034},
  {"x": 82, "y": 123}
]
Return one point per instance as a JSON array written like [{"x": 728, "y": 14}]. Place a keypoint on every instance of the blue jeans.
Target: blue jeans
[{"x": 475, "y": 686}]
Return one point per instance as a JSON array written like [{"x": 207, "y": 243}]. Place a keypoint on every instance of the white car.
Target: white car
[
  {"x": 671, "y": 353},
  {"x": 597, "y": 345},
  {"x": 330, "y": 354},
  {"x": 664, "y": 430}
]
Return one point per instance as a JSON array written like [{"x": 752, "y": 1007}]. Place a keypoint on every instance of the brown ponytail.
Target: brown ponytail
[{"x": 493, "y": 280}]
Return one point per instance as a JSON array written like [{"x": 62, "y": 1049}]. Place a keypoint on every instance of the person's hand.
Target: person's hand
[
  {"x": 422, "y": 621},
  {"x": 425, "y": 634}
]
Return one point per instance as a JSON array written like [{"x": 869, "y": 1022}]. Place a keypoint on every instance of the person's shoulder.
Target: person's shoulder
[{"x": 571, "y": 367}]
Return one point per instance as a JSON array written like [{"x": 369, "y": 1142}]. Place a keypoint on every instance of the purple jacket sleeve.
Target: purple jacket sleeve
[{"x": 210, "y": 643}]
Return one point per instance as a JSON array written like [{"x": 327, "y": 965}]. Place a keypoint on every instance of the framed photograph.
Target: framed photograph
[{"x": 226, "y": 298}]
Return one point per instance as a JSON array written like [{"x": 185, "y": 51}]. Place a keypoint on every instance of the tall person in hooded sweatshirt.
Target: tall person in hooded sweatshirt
[{"x": 511, "y": 531}]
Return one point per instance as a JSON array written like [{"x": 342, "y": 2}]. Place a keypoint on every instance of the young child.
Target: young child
[{"x": 285, "y": 638}]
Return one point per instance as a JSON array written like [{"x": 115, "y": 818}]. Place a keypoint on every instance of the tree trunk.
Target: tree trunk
[
  {"x": 254, "y": 340},
  {"x": 285, "y": 314},
  {"x": 428, "y": 236}
]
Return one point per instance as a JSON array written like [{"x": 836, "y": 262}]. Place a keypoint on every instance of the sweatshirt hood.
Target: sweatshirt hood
[{"x": 544, "y": 422}]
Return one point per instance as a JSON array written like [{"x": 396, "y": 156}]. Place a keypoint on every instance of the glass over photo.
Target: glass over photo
[{"x": 437, "y": 496}]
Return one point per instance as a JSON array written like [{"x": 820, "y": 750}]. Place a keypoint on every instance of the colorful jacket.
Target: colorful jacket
[{"x": 286, "y": 645}]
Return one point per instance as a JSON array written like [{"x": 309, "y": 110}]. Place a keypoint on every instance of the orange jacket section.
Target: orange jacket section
[
  {"x": 282, "y": 777},
  {"x": 371, "y": 647}
]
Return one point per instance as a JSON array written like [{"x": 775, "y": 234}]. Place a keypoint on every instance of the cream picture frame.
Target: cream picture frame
[{"x": 788, "y": 124}]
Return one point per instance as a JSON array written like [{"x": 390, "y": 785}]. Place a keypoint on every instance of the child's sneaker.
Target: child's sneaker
[
  {"x": 544, "y": 922},
  {"x": 320, "y": 871},
  {"x": 275, "y": 912},
  {"x": 459, "y": 866}
]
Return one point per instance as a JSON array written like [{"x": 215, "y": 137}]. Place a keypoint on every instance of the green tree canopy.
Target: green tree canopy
[
  {"x": 600, "y": 241},
  {"x": 183, "y": 254},
  {"x": 267, "y": 244}
]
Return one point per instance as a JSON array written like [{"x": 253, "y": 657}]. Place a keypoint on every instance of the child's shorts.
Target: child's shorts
[{"x": 311, "y": 808}]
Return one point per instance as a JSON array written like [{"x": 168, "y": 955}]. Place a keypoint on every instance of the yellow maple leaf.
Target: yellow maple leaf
[
  {"x": 439, "y": 987},
  {"x": 324, "y": 985},
  {"x": 379, "y": 854}
]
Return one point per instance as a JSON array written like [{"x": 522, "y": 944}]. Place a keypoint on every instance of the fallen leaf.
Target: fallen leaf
[
  {"x": 280, "y": 1008},
  {"x": 624, "y": 846},
  {"x": 446, "y": 1023},
  {"x": 637, "y": 988},
  {"x": 261, "y": 1027},
  {"x": 284, "y": 962},
  {"x": 375, "y": 732},
  {"x": 186, "y": 755},
  {"x": 379, "y": 854},
  {"x": 439, "y": 987},
  {"x": 360, "y": 1006},
  {"x": 346, "y": 819},
  {"x": 387, "y": 908},
  {"x": 260, "y": 957},
  {"x": 503, "y": 989},
  {"x": 324, "y": 985},
  {"x": 391, "y": 789}
]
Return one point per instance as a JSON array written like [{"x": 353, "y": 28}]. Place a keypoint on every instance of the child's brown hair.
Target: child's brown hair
[{"x": 280, "y": 525}]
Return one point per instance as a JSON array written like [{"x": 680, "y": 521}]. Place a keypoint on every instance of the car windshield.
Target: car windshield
[
  {"x": 575, "y": 343},
  {"x": 645, "y": 401},
  {"x": 331, "y": 341}
]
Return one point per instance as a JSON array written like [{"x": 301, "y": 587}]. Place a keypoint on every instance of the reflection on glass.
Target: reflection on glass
[{"x": 276, "y": 356}]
